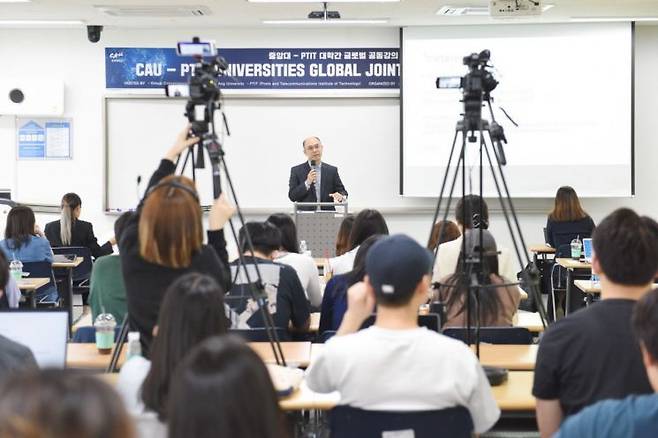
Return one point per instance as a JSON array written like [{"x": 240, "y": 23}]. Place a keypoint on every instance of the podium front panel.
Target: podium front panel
[{"x": 319, "y": 229}]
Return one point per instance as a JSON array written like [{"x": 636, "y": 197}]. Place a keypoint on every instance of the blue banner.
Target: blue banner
[
  {"x": 31, "y": 140},
  {"x": 269, "y": 69}
]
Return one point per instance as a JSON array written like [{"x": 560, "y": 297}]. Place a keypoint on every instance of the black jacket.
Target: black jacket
[
  {"x": 562, "y": 233},
  {"x": 146, "y": 283},
  {"x": 329, "y": 183},
  {"x": 82, "y": 234}
]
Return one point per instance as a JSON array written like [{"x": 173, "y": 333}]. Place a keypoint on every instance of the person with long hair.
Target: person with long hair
[
  {"x": 288, "y": 254},
  {"x": 193, "y": 310},
  {"x": 567, "y": 219},
  {"x": 334, "y": 301},
  {"x": 343, "y": 236},
  {"x": 24, "y": 241},
  {"x": 367, "y": 223},
  {"x": 69, "y": 230},
  {"x": 163, "y": 240},
  {"x": 61, "y": 404},
  {"x": 442, "y": 232},
  {"x": 223, "y": 390},
  {"x": 497, "y": 303}
]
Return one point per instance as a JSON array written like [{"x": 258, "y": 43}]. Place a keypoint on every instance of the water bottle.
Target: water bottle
[
  {"x": 16, "y": 269},
  {"x": 134, "y": 347},
  {"x": 105, "y": 324},
  {"x": 303, "y": 247},
  {"x": 576, "y": 248}
]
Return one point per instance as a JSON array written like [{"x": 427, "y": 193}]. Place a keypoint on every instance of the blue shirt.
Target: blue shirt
[
  {"x": 635, "y": 416},
  {"x": 37, "y": 249},
  {"x": 334, "y": 303}
]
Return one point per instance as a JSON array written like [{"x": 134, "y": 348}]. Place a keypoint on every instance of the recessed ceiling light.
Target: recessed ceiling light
[
  {"x": 611, "y": 19},
  {"x": 15, "y": 1},
  {"x": 326, "y": 22},
  {"x": 41, "y": 22}
]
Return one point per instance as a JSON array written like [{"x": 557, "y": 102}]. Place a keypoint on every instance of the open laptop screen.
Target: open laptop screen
[{"x": 43, "y": 332}]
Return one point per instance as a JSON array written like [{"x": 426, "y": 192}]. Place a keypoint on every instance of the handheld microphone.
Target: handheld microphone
[{"x": 312, "y": 163}]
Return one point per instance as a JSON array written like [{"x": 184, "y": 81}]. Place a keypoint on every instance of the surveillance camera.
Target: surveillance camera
[{"x": 94, "y": 33}]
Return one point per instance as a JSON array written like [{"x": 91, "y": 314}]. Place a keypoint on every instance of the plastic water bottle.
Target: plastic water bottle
[
  {"x": 134, "y": 347},
  {"x": 105, "y": 324},
  {"x": 576, "y": 248},
  {"x": 303, "y": 247},
  {"x": 16, "y": 269}
]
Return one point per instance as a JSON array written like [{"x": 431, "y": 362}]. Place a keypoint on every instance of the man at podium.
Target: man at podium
[{"x": 313, "y": 180}]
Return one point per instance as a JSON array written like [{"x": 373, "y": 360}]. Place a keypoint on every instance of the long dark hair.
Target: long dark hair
[
  {"x": 20, "y": 226},
  {"x": 4, "y": 279},
  {"x": 567, "y": 206},
  {"x": 359, "y": 270},
  {"x": 223, "y": 390},
  {"x": 192, "y": 310},
  {"x": 61, "y": 404},
  {"x": 288, "y": 231},
  {"x": 70, "y": 202},
  {"x": 367, "y": 223},
  {"x": 343, "y": 237}
]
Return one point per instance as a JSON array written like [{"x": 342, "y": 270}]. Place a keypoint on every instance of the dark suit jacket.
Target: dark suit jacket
[
  {"x": 81, "y": 235},
  {"x": 329, "y": 183}
]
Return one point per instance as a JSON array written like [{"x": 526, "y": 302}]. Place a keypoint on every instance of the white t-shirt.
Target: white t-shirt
[
  {"x": 448, "y": 257},
  {"x": 343, "y": 263},
  {"x": 307, "y": 272},
  {"x": 129, "y": 386},
  {"x": 404, "y": 370}
]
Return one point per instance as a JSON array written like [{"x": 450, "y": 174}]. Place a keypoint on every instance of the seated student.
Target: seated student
[
  {"x": 193, "y": 310},
  {"x": 442, "y": 232},
  {"x": 568, "y": 219},
  {"x": 343, "y": 236},
  {"x": 367, "y": 223},
  {"x": 24, "y": 241},
  {"x": 71, "y": 231},
  {"x": 61, "y": 404},
  {"x": 396, "y": 365},
  {"x": 592, "y": 355},
  {"x": 222, "y": 389},
  {"x": 163, "y": 240},
  {"x": 285, "y": 294},
  {"x": 10, "y": 294},
  {"x": 467, "y": 213},
  {"x": 107, "y": 291},
  {"x": 497, "y": 305},
  {"x": 288, "y": 254},
  {"x": 334, "y": 301},
  {"x": 635, "y": 416}
]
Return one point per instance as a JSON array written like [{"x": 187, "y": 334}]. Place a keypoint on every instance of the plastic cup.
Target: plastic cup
[{"x": 105, "y": 324}]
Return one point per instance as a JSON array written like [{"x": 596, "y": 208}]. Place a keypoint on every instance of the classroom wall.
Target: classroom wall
[{"x": 68, "y": 55}]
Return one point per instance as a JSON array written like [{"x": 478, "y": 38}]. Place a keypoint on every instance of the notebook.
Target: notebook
[{"x": 27, "y": 327}]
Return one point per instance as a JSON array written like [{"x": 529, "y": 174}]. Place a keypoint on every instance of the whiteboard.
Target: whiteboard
[
  {"x": 575, "y": 118},
  {"x": 360, "y": 137}
]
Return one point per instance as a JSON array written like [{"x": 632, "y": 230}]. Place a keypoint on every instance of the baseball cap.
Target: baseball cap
[{"x": 395, "y": 266}]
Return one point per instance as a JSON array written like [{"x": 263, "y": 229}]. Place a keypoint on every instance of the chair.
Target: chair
[
  {"x": 349, "y": 422},
  {"x": 431, "y": 321},
  {"x": 82, "y": 272},
  {"x": 260, "y": 334},
  {"x": 41, "y": 269},
  {"x": 493, "y": 335},
  {"x": 87, "y": 334}
]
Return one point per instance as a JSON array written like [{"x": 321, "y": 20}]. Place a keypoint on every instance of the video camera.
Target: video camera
[{"x": 476, "y": 86}]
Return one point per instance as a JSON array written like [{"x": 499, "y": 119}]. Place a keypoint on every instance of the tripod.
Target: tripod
[{"x": 473, "y": 275}]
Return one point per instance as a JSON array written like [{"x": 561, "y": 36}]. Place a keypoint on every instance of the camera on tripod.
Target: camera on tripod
[
  {"x": 476, "y": 86},
  {"x": 203, "y": 88}
]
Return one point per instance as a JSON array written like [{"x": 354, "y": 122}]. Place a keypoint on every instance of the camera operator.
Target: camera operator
[{"x": 163, "y": 240}]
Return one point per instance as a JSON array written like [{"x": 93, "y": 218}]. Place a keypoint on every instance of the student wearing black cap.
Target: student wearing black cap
[{"x": 396, "y": 365}]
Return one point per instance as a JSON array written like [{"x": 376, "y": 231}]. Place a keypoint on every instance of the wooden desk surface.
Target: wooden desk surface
[
  {"x": 87, "y": 356},
  {"x": 541, "y": 249},
  {"x": 529, "y": 320},
  {"x": 30, "y": 284},
  {"x": 572, "y": 263},
  {"x": 588, "y": 286},
  {"x": 315, "y": 322},
  {"x": 513, "y": 395},
  {"x": 72, "y": 264}
]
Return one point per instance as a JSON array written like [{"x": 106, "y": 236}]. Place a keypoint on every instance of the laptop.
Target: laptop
[
  {"x": 588, "y": 250},
  {"x": 43, "y": 332}
]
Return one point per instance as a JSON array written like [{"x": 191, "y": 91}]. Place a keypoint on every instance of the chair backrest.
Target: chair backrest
[
  {"x": 431, "y": 321},
  {"x": 87, "y": 334},
  {"x": 565, "y": 238},
  {"x": 349, "y": 422},
  {"x": 41, "y": 269},
  {"x": 83, "y": 270},
  {"x": 493, "y": 335},
  {"x": 260, "y": 334}
]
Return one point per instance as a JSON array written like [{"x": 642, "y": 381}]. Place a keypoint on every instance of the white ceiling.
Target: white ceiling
[{"x": 230, "y": 13}]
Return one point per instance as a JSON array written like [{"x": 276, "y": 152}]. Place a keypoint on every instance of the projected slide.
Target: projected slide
[{"x": 567, "y": 86}]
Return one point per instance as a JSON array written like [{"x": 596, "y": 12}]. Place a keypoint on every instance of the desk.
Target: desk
[
  {"x": 571, "y": 266},
  {"x": 529, "y": 320},
  {"x": 87, "y": 356},
  {"x": 588, "y": 286},
  {"x": 513, "y": 395},
  {"x": 512, "y": 357},
  {"x": 541, "y": 249},
  {"x": 30, "y": 285},
  {"x": 67, "y": 285},
  {"x": 314, "y": 326}
]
